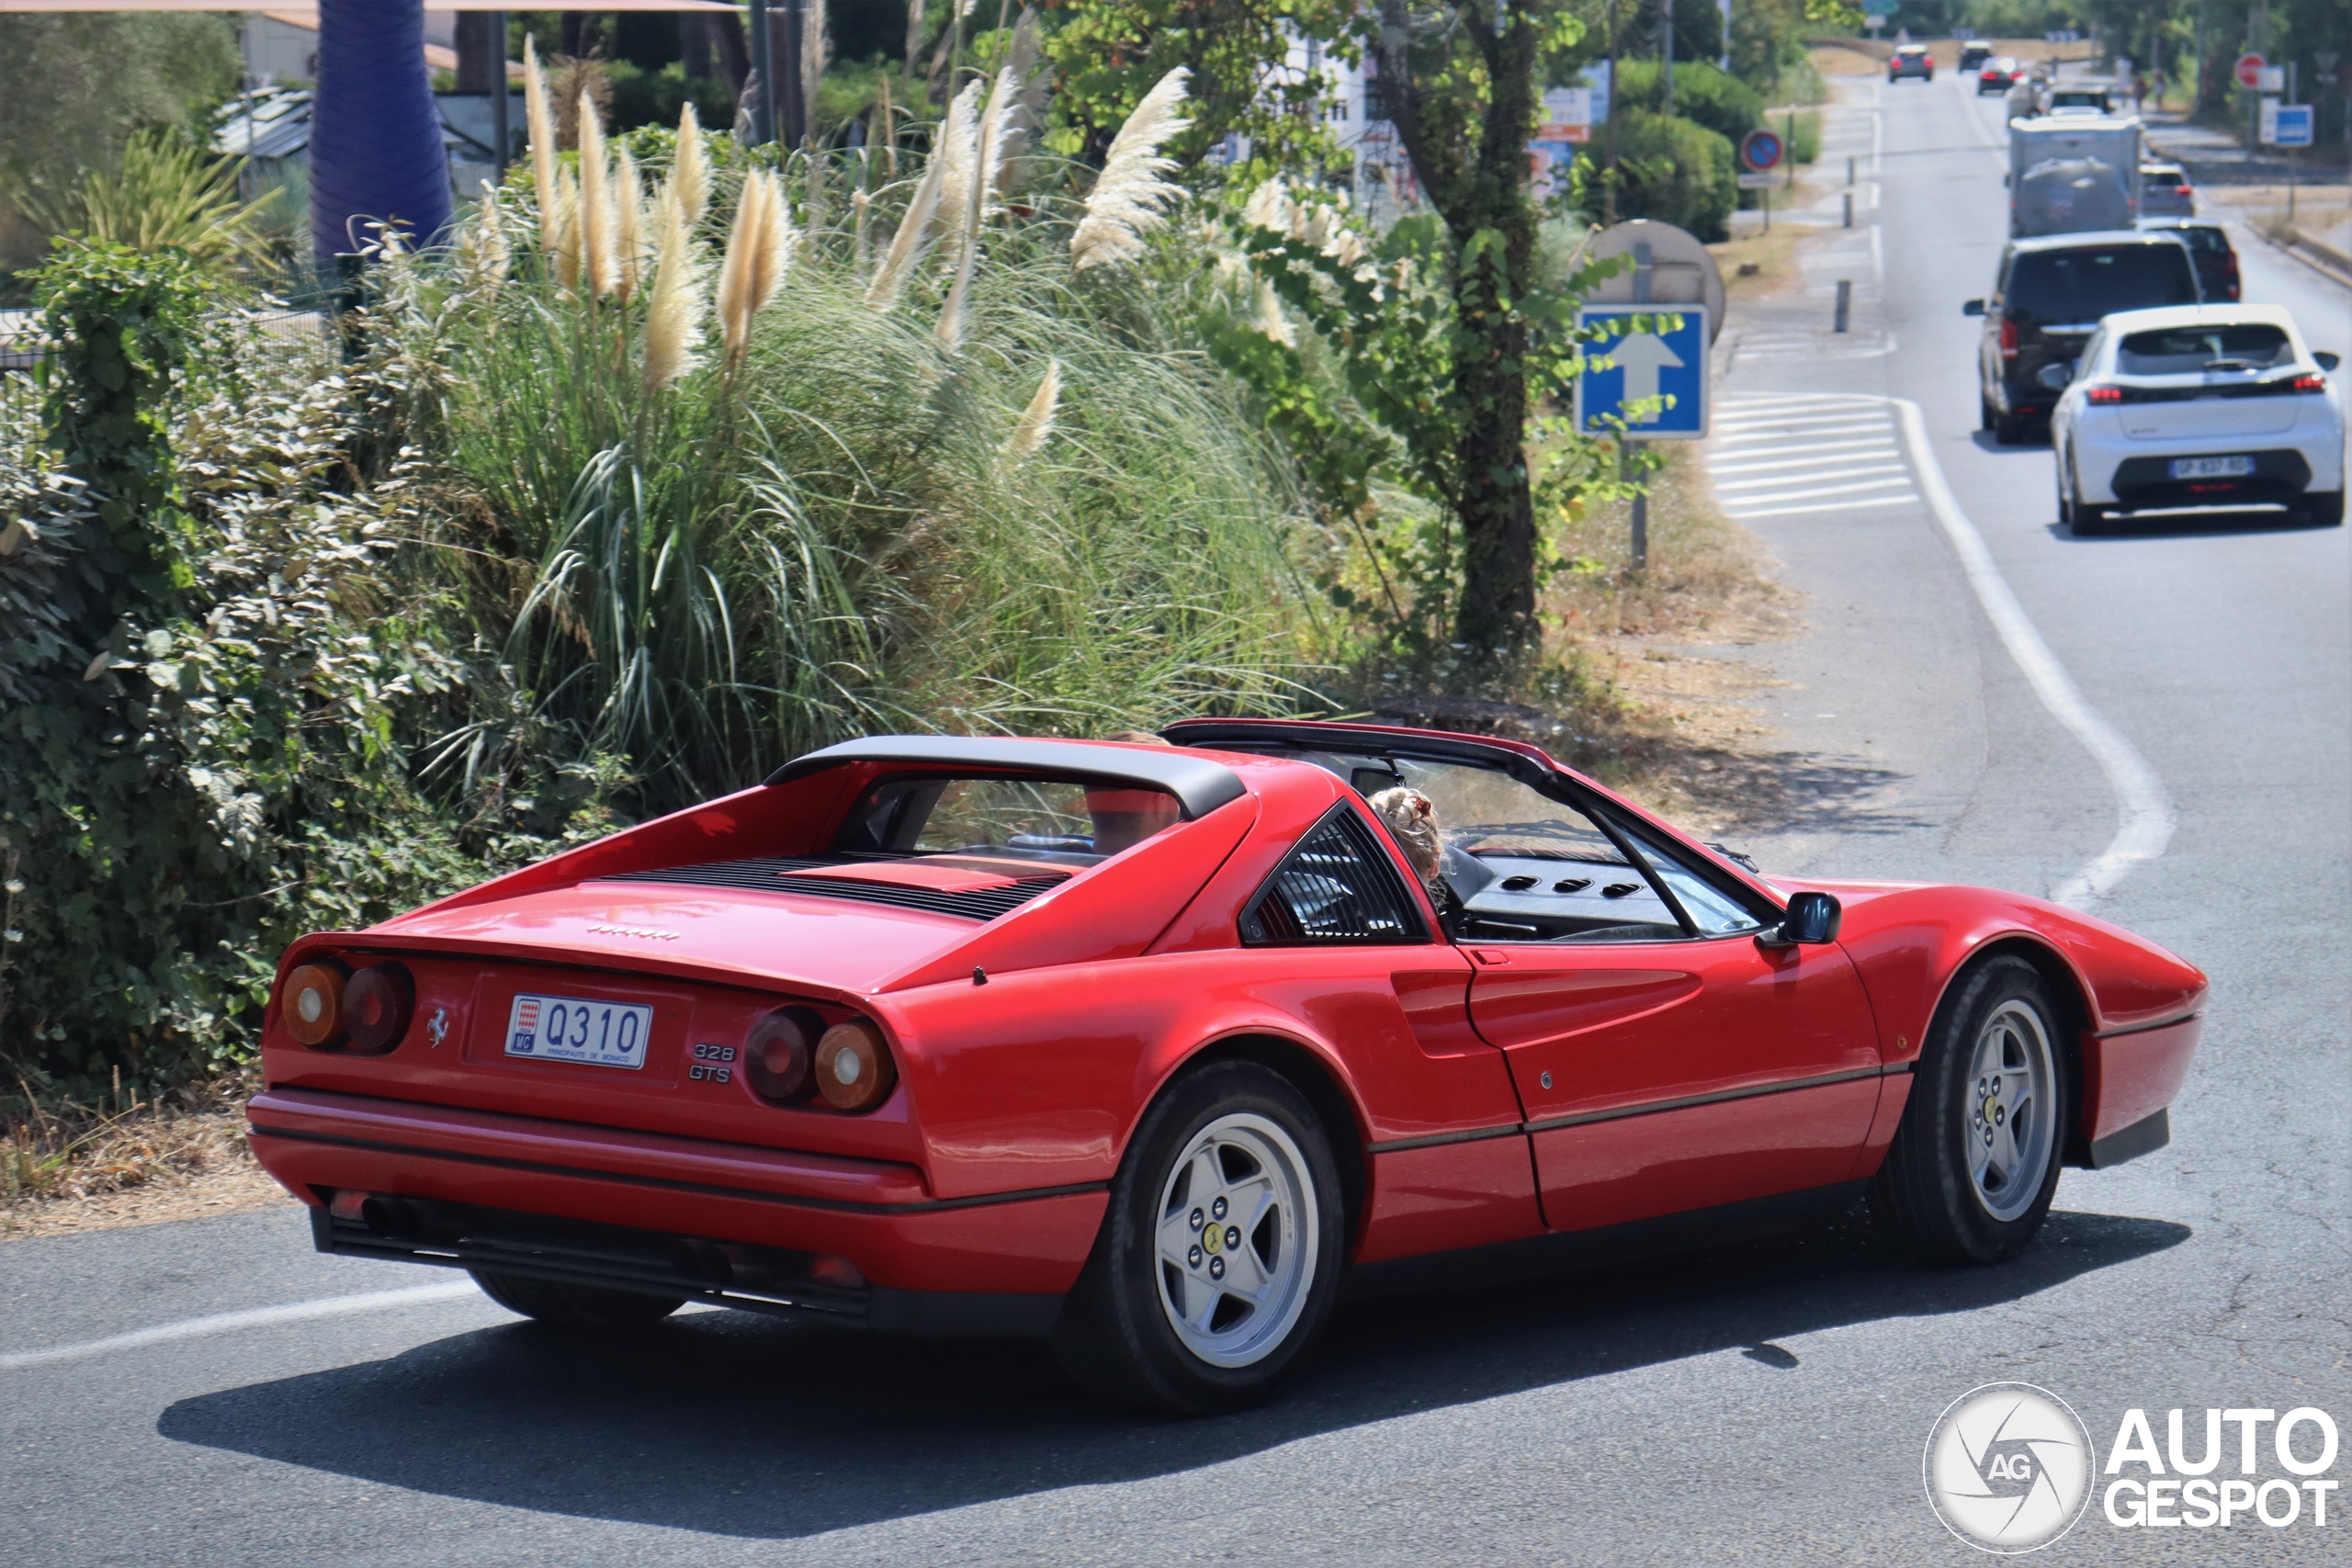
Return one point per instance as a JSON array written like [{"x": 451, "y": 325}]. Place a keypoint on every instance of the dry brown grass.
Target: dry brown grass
[{"x": 80, "y": 1168}]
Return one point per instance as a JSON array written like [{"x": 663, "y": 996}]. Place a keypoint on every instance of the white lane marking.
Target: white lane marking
[
  {"x": 2145, "y": 811},
  {"x": 1800, "y": 424},
  {"x": 1868, "y": 449},
  {"x": 1785, "y": 479},
  {"x": 1793, "y": 491},
  {"x": 229, "y": 1321},
  {"x": 1908, "y": 498},
  {"x": 1759, "y": 446}
]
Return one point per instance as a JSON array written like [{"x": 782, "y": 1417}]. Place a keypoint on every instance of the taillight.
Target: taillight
[
  {"x": 312, "y": 1005},
  {"x": 853, "y": 1068},
  {"x": 2187, "y": 190},
  {"x": 779, "y": 1055},
  {"x": 377, "y": 1003},
  {"x": 2104, "y": 395},
  {"x": 2311, "y": 384},
  {"x": 2008, "y": 337}
]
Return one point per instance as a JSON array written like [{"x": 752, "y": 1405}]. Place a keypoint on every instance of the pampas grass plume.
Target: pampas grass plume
[
  {"x": 908, "y": 244},
  {"x": 487, "y": 252},
  {"x": 554, "y": 240},
  {"x": 597, "y": 256},
  {"x": 1129, "y": 198},
  {"x": 759, "y": 248},
  {"x": 1271, "y": 320},
  {"x": 1036, "y": 420},
  {"x": 993, "y": 126},
  {"x": 958, "y": 154},
  {"x": 690, "y": 170},
  {"x": 628, "y": 226},
  {"x": 673, "y": 311}
]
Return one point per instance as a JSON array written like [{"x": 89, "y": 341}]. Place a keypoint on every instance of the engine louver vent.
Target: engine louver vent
[
  {"x": 1339, "y": 885},
  {"x": 765, "y": 875}
]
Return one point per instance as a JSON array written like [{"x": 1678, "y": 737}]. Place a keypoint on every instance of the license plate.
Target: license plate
[
  {"x": 568, "y": 1029},
  {"x": 2211, "y": 467}
]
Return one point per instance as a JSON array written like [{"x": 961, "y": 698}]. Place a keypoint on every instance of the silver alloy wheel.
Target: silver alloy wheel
[
  {"x": 2010, "y": 1132},
  {"x": 1238, "y": 1240}
]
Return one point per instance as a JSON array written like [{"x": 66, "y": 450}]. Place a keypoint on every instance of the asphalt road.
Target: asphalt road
[{"x": 1767, "y": 1403}]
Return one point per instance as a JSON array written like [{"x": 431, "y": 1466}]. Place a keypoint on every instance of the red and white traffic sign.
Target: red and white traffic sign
[{"x": 2249, "y": 70}]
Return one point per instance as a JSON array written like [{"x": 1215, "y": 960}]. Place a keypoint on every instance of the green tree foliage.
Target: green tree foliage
[
  {"x": 74, "y": 88},
  {"x": 1107, "y": 53}
]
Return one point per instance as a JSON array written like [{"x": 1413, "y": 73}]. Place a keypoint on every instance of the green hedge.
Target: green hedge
[
  {"x": 1724, "y": 104},
  {"x": 1677, "y": 172}
]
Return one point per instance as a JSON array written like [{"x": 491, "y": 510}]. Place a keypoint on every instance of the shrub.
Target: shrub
[
  {"x": 1702, "y": 93},
  {"x": 1676, "y": 172}
]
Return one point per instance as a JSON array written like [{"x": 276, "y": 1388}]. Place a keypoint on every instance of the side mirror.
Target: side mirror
[
  {"x": 2057, "y": 377},
  {"x": 1812, "y": 918},
  {"x": 1973, "y": 308},
  {"x": 2328, "y": 361}
]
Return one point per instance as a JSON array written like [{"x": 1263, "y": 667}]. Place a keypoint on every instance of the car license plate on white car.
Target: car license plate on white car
[
  {"x": 2211, "y": 467},
  {"x": 566, "y": 1028}
]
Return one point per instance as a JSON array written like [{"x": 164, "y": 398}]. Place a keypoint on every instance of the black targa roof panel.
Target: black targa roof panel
[{"x": 1198, "y": 783}]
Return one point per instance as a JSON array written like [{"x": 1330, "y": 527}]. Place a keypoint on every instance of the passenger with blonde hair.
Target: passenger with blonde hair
[{"x": 1411, "y": 821}]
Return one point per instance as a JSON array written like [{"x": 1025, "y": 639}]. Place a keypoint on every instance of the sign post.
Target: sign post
[
  {"x": 1761, "y": 151},
  {"x": 1654, "y": 386}
]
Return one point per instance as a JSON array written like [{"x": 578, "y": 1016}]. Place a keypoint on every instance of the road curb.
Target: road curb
[{"x": 2317, "y": 255}]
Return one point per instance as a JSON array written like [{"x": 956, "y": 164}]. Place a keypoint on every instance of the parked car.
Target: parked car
[
  {"x": 2047, "y": 300},
  {"x": 1998, "y": 76},
  {"x": 1152, "y": 1050},
  {"x": 2209, "y": 248},
  {"x": 2211, "y": 405},
  {"x": 1972, "y": 56},
  {"x": 1911, "y": 60},
  {"x": 2165, "y": 192}
]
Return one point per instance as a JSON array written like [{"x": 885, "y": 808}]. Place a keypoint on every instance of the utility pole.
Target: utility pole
[
  {"x": 763, "y": 62},
  {"x": 501, "y": 133},
  {"x": 1667, "y": 72},
  {"x": 795, "y": 127},
  {"x": 1609, "y": 171}
]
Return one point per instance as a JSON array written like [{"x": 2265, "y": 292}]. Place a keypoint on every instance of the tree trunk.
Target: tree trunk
[{"x": 734, "y": 51}]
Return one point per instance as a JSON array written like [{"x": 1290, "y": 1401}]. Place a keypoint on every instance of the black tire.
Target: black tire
[
  {"x": 574, "y": 1306},
  {"x": 2083, "y": 520},
  {"x": 2065, "y": 504},
  {"x": 2323, "y": 508},
  {"x": 2007, "y": 428},
  {"x": 1117, "y": 1337},
  {"x": 1924, "y": 1199},
  {"x": 1986, "y": 419}
]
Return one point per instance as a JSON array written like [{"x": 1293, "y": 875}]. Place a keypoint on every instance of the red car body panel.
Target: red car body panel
[{"x": 1491, "y": 1092}]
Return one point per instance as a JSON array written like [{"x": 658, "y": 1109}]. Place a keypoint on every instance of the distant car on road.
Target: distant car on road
[
  {"x": 2077, "y": 97},
  {"x": 2165, "y": 191},
  {"x": 1998, "y": 76},
  {"x": 2210, "y": 405},
  {"x": 1911, "y": 60},
  {"x": 1972, "y": 56},
  {"x": 2048, "y": 300},
  {"x": 2209, "y": 248}
]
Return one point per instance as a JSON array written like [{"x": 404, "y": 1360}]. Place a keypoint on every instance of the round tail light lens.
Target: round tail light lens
[
  {"x": 853, "y": 1068},
  {"x": 376, "y": 1006},
  {"x": 313, "y": 1004},
  {"x": 779, "y": 1056}
]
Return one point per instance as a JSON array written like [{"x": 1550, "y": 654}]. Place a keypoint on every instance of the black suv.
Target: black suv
[
  {"x": 2210, "y": 248},
  {"x": 1972, "y": 56},
  {"x": 2046, "y": 301}
]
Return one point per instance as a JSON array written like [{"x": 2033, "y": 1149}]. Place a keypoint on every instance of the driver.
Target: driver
[{"x": 1411, "y": 821}]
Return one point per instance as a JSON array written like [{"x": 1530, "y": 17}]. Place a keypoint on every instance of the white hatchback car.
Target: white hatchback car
[{"x": 2197, "y": 405}]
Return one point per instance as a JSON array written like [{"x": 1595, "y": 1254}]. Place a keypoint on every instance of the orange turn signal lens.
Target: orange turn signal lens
[
  {"x": 313, "y": 1004},
  {"x": 853, "y": 1068}
]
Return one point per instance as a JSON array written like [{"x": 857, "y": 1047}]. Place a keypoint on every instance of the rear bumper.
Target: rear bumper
[
  {"x": 2144, "y": 481},
  {"x": 877, "y": 1215}
]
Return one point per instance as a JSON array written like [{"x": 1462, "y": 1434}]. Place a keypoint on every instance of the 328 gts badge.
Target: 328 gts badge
[{"x": 707, "y": 1067}]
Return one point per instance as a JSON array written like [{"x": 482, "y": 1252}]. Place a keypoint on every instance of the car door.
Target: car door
[{"x": 1669, "y": 1072}]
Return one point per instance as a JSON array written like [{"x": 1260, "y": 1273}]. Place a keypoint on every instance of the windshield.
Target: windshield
[
  {"x": 2184, "y": 351},
  {"x": 1061, "y": 822},
  {"x": 2084, "y": 284}
]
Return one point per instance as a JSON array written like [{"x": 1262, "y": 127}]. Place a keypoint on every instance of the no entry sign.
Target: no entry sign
[{"x": 2249, "y": 70}]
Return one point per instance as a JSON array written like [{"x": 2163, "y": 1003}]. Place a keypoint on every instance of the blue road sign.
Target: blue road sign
[
  {"x": 2293, "y": 127},
  {"x": 1663, "y": 374}
]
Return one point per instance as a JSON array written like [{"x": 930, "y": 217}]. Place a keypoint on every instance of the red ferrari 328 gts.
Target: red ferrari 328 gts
[{"x": 1159, "y": 1050}]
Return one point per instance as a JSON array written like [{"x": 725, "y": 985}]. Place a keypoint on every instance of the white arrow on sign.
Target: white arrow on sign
[{"x": 1642, "y": 356}]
